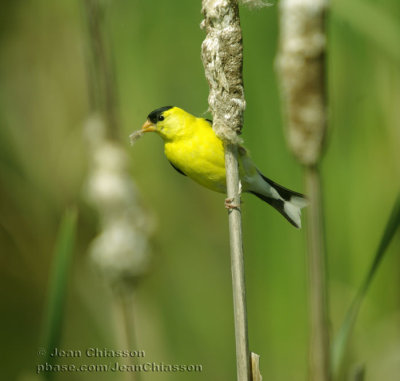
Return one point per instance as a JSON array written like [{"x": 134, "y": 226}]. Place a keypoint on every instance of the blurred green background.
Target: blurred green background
[{"x": 184, "y": 304}]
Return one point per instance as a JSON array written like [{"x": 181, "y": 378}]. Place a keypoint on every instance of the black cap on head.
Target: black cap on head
[{"x": 153, "y": 116}]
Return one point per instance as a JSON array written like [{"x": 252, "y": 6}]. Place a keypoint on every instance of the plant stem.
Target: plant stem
[
  {"x": 123, "y": 305},
  {"x": 301, "y": 64},
  {"x": 222, "y": 55},
  {"x": 255, "y": 367},
  {"x": 120, "y": 216},
  {"x": 102, "y": 86},
  {"x": 319, "y": 332},
  {"x": 237, "y": 265}
]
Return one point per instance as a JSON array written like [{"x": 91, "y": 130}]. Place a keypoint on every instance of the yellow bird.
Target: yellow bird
[{"x": 194, "y": 150}]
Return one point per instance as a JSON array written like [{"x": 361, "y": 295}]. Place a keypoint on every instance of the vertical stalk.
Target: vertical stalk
[
  {"x": 102, "y": 86},
  {"x": 319, "y": 338},
  {"x": 125, "y": 260},
  {"x": 123, "y": 310},
  {"x": 301, "y": 66},
  {"x": 222, "y": 55},
  {"x": 237, "y": 265}
]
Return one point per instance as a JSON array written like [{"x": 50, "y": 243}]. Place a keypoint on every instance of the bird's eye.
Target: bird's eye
[{"x": 160, "y": 118}]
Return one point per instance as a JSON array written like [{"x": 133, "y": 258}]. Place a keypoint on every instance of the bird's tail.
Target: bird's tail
[{"x": 285, "y": 201}]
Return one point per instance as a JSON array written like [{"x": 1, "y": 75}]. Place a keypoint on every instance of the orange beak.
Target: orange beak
[{"x": 148, "y": 126}]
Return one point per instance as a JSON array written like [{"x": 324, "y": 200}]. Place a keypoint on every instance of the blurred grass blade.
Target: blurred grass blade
[
  {"x": 58, "y": 282},
  {"x": 340, "y": 343}
]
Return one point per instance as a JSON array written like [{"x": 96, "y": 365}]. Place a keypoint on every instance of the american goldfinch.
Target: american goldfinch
[{"x": 194, "y": 150}]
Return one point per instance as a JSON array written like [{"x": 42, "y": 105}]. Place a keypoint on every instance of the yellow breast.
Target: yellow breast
[{"x": 200, "y": 156}]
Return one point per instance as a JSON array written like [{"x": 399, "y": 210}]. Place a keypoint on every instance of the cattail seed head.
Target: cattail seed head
[
  {"x": 222, "y": 56},
  {"x": 301, "y": 67}
]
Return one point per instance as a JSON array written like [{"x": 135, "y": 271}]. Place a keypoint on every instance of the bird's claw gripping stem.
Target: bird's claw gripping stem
[{"x": 230, "y": 205}]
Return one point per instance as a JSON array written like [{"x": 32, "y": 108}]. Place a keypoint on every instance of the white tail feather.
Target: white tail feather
[
  {"x": 293, "y": 211},
  {"x": 300, "y": 202}
]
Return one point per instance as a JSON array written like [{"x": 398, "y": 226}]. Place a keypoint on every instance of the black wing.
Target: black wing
[{"x": 177, "y": 169}]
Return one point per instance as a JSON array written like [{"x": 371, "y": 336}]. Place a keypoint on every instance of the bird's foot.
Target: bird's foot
[{"x": 230, "y": 205}]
